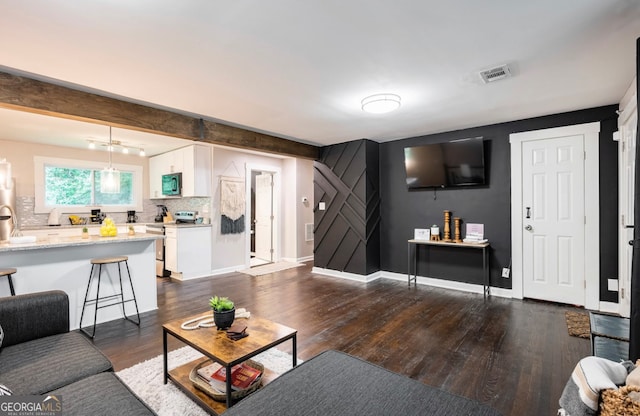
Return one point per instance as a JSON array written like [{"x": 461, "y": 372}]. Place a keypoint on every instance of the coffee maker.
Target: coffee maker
[
  {"x": 162, "y": 212},
  {"x": 131, "y": 216}
]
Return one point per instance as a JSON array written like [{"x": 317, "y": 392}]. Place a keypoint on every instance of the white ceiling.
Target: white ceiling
[{"x": 298, "y": 69}]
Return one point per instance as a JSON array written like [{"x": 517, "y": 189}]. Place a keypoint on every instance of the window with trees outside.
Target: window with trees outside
[{"x": 74, "y": 185}]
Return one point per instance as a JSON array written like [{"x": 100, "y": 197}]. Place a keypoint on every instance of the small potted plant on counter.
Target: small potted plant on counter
[
  {"x": 132, "y": 231},
  {"x": 224, "y": 311},
  {"x": 85, "y": 232}
]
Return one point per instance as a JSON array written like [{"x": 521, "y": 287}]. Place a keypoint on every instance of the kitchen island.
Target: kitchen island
[{"x": 63, "y": 263}]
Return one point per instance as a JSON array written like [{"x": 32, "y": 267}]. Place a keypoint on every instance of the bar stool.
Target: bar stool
[
  {"x": 8, "y": 273},
  {"x": 113, "y": 298}
]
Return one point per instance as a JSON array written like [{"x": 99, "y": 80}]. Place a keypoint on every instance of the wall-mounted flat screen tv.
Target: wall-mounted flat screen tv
[{"x": 442, "y": 165}]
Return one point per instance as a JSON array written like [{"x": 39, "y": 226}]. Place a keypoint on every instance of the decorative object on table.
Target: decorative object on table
[
  {"x": 456, "y": 230},
  {"x": 232, "y": 205},
  {"x": 421, "y": 234},
  {"x": 435, "y": 233},
  {"x": 85, "y": 232},
  {"x": 475, "y": 234},
  {"x": 108, "y": 228},
  {"x": 224, "y": 311},
  {"x": 132, "y": 231},
  {"x": 206, "y": 321},
  {"x": 447, "y": 229},
  {"x": 237, "y": 331},
  {"x": 202, "y": 377}
]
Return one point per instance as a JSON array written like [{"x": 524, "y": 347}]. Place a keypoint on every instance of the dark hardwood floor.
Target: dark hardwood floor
[{"x": 513, "y": 355}]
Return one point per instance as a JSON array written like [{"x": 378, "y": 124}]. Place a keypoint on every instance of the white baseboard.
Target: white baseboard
[
  {"x": 347, "y": 276},
  {"x": 298, "y": 260},
  {"x": 449, "y": 284},
  {"x": 441, "y": 283}
]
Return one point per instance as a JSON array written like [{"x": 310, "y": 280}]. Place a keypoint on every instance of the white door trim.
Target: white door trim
[
  {"x": 590, "y": 131},
  {"x": 277, "y": 209}
]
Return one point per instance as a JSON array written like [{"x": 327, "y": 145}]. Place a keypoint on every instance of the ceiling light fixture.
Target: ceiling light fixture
[
  {"x": 381, "y": 103},
  {"x": 116, "y": 145},
  {"x": 110, "y": 177}
]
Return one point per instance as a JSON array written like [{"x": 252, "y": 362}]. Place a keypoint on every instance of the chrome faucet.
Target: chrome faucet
[{"x": 15, "y": 232}]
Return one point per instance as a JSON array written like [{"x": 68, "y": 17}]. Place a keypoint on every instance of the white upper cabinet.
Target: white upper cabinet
[{"x": 194, "y": 162}]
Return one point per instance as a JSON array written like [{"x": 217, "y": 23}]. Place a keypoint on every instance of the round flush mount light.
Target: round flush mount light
[{"x": 381, "y": 103}]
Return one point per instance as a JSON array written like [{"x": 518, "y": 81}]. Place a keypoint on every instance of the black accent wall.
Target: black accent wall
[
  {"x": 347, "y": 233},
  {"x": 401, "y": 210}
]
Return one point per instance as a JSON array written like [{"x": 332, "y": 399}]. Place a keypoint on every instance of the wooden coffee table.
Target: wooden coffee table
[{"x": 263, "y": 335}]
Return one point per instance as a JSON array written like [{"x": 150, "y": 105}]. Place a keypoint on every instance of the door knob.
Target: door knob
[{"x": 528, "y": 228}]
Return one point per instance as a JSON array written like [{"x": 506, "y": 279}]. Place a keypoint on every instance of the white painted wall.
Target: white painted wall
[
  {"x": 304, "y": 173},
  {"x": 229, "y": 251}
]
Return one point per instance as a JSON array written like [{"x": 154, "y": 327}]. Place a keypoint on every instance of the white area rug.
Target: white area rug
[
  {"x": 145, "y": 379},
  {"x": 270, "y": 268}
]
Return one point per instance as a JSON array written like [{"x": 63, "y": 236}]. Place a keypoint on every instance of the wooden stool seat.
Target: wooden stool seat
[
  {"x": 100, "y": 302},
  {"x": 109, "y": 260},
  {"x": 8, "y": 272}
]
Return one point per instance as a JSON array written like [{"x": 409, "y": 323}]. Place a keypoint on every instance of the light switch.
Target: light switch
[{"x": 322, "y": 206}]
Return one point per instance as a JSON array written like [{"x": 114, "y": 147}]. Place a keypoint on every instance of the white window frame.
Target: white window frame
[{"x": 39, "y": 163}]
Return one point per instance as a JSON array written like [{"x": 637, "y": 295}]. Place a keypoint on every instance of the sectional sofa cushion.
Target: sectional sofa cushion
[
  {"x": 335, "y": 383},
  {"x": 45, "y": 364},
  {"x": 100, "y": 394}
]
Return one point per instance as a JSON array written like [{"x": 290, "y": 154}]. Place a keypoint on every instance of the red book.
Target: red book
[{"x": 242, "y": 375}]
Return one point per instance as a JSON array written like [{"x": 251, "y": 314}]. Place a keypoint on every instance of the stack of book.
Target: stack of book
[{"x": 242, "y": 376}]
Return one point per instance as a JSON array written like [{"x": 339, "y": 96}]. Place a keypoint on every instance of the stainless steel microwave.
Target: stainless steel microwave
[{"x": 172, "y": 184}]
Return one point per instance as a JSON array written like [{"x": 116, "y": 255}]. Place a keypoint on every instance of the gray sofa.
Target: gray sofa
[
  {"x": 39, "y": 355},
  {"x": 335, "y": 383}
]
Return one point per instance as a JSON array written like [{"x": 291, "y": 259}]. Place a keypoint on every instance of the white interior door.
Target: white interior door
[
  {"x": 554, "y": 218},
  {"x": 627, "y": 125},
  {"x": 550, "y": 260},
  {"x": 264, "y": 217}
]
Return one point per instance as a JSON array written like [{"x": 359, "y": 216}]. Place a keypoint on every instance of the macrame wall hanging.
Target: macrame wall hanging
[{"x": 232, "y": 205}]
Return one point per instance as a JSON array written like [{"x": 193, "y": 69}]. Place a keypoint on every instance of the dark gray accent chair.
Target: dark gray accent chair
[{"x": 39, "y": 355}]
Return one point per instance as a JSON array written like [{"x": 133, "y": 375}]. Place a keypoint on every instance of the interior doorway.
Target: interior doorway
[{"x": 263, "y": 215}]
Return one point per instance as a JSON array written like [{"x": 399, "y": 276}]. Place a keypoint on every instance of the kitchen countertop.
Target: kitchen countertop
[
  {"x": 185, "y": 225},
  {"x": 79, "y": 226},
  {"x": 71, "y": 241}
]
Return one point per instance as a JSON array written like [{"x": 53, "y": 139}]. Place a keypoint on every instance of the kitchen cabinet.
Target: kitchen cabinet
[
  {"x": 188, "y": 251},
  {"x": 194, "y": 162}
]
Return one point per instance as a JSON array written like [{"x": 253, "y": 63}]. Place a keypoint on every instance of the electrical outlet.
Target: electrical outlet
[{"x": 506, "y": 272}]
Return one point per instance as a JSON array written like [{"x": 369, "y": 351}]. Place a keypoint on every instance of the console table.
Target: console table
[{"x": 412, "y": 250}]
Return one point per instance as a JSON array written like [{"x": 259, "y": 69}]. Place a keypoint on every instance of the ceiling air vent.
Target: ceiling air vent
[{"x": 495, "y": 74}]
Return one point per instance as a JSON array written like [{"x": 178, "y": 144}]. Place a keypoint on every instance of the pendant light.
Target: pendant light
[
  {"x": 5, "y": 174},
  {"x": 110, "y": 177}
]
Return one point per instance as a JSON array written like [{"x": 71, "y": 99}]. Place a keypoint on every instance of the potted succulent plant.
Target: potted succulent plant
[
  {"x": 85, "y": 232},
  {"x": 132, "y": 231},
  {"x": 224, "y": 311}
]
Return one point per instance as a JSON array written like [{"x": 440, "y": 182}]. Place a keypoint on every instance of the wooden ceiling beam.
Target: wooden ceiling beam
[{"x": 27, "y": 94}]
